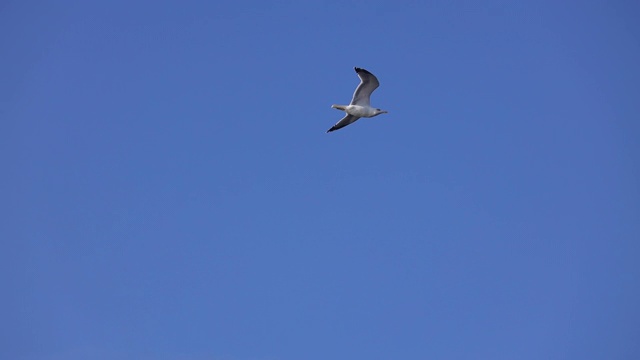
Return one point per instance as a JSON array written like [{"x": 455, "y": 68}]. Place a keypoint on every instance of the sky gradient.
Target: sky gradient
[{"x": 169, "y": 191}]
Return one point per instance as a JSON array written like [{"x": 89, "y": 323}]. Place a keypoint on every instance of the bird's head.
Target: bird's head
[{"x": 380, "y": 111}]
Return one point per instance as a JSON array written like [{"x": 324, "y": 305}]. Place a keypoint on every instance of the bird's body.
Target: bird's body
[
  {"x": 358, "y": 110},
  {"x": 360, "y": 104}
]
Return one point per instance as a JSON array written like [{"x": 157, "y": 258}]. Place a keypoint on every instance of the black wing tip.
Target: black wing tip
[
  {"x": 359, "y": 70},
  {"x": 330, "y": 130}
]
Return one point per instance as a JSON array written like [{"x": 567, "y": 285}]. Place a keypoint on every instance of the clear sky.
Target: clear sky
[{"x": 169, "y": 191}]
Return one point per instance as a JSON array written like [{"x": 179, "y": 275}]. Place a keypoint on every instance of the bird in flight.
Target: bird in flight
[{"x": 360, "y": 104}]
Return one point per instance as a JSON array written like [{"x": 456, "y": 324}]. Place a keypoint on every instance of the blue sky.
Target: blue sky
[{"x": 169, "y": 191}]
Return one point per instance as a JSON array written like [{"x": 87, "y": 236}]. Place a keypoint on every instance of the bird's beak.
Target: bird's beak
[{"x": 384, "y": 112}]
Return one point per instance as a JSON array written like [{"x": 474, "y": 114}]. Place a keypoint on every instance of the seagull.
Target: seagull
[{"x": 360, "y": 104}]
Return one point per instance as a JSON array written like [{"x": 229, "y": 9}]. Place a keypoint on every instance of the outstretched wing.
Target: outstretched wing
[
  {"x": 368, "y": 83},
  {"x": 343, "y": 122}
]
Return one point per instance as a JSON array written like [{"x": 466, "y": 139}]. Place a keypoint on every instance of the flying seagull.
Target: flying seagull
[{"x": 360, "y": 104}]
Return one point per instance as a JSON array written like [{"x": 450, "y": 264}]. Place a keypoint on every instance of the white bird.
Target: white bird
[{"x": 360, "y": 104}]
